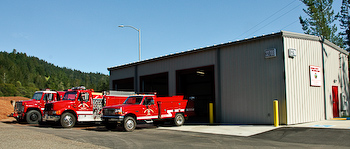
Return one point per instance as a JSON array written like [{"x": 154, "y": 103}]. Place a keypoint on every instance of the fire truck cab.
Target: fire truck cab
[
  {"x": 31, "y": 110},
  {"x": 145, "y": 108},
  {"x": 78, "y": 105}
]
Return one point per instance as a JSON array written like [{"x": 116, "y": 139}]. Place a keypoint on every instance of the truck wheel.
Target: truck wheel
[
  {"x": 129, "y": 124},
  {"x": 67, "y": 120},
  {"x": 179, "y": 119},
  {"x": 33, "y": 117}
]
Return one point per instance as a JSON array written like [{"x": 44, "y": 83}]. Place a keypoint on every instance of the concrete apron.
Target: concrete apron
[
  {"x": 249, "y": 130},
  {"x": 236, "y": 130}
]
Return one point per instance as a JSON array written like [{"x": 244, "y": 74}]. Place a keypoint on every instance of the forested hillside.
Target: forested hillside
[{"x": 22, "y": 75}]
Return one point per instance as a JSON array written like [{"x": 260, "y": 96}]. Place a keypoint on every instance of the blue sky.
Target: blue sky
[{"x": 84, "y": 34}]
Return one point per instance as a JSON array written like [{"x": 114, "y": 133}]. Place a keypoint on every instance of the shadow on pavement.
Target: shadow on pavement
[
  {"x": 339, "y": 137},
  {"x": 119, "y": 129},
  {"x": 10, "y": 122}
]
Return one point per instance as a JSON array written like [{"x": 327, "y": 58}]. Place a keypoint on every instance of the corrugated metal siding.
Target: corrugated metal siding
[
  {"x": 170, "y": 65},
  {"x": 183, "y": 62},
  {"x": 336, "y": 65},
  {"x": 345, "y": 80},
  {"x": 121, "y": 74},
  {"x": 250, "y": 82},
  {"x": 303, "y": 102}
]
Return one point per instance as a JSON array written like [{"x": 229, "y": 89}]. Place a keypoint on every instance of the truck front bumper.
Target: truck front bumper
[
  {"x": 12, "y": 115},
  {"x": 54, "y": 118},
  {"x": 16, "y": 115},
  {"x": 112, "y": 118}
]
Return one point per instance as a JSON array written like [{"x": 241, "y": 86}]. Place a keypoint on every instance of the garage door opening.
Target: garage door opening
[
  {"x": 155, "y": 83},
  {"x": 123, "y": 84},
  {"x": 197, "y": 83}
]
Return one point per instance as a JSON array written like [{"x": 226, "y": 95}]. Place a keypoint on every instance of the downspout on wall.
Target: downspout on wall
[
  {"x": 324, "y": 79},
  {"x": 136, "y": 87},
  {"x": 218, "y": 75}
]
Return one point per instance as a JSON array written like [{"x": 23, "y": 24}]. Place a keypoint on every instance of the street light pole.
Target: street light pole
[{"x": 138, "y": 30}]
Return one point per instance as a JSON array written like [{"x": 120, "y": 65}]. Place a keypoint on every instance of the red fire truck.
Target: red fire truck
[
  {"x": 145, "y": 108},
  {"x": 31, "y": 111},
  {"x": 81, "y": 105}
]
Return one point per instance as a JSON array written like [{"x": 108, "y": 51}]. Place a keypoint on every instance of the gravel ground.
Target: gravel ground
[
  {"x": 14, "y": 137},
  {"x": 5, "y": 105}
]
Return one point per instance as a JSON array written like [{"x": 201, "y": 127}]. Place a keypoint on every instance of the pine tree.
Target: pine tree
[
  {"x": 320, "y": 21},
  {"x": 345, "y": 23}
]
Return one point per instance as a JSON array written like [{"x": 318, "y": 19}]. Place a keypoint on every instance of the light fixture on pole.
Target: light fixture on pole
[{"x": 139, "y": 30}]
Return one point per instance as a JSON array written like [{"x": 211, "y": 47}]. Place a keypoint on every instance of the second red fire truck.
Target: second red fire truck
[{"x": 81, "y": 105}]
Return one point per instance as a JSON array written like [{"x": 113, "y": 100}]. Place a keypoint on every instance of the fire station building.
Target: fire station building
[{"x": 307, "y": 75}]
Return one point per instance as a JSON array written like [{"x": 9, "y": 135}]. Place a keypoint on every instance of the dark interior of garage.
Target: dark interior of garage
[
  {"x": 124, "y": 84},
  {"x": 158, "y": 83},
  {"x": 198, "y": 84}
]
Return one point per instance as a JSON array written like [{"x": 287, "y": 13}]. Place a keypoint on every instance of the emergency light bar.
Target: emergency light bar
[
  {"x": 79, "y": 88},
  {"x": 145, "y": 93}
]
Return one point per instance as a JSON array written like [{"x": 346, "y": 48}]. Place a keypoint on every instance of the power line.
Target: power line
[
  {"x": 269, "y": 18},
  {"x": 274, "y": 20},
  {"x": 291, "y": 23},
  {"x": 265, "y": 19}
]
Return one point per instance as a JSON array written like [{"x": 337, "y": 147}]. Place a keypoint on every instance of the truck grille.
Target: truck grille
[
  {"x": 97, "y": 106},
  {"x": 108, "y": 111},
  {"x": 19, "y": 107},
  {"x": 48, "y": 106}
]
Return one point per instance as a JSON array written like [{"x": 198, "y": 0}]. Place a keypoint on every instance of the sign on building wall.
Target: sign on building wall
[
  {"x": 270, "y": 53},
  {"x": 315, "y": 76}
]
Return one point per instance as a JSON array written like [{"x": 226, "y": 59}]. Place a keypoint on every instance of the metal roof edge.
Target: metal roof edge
[
  {"x": 299, "y": 35},
  {"x": 281, "y": 33},
  {"x": 157, "y": 58},
  {"x": 315, "y": 38},
  {"x": 194, "y": 51},
  {"x": 335, "y": 47}
]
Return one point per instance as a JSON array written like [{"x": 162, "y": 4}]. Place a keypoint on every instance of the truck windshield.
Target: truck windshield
[
  {"x": 37, "y": 96},
  {"x": 70, "y": 96},
  {"x": 135, "y": 100}
]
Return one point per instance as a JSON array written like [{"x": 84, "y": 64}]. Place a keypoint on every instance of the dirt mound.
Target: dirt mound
[{"x": 5, "y": 105}]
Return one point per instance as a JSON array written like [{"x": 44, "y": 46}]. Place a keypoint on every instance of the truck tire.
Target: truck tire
[
  {"x": 33, "y": 117},
  {"x": 67, "y": 120},
  {"x": 179, "y": 119},
  {"x": 129, "y": 124}
]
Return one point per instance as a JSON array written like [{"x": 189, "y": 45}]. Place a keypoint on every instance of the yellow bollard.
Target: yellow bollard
[
  {"x": 211, "y": 113},
  {"x": 275, "y": 112}
]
